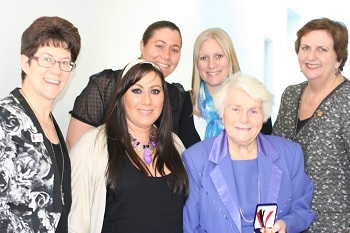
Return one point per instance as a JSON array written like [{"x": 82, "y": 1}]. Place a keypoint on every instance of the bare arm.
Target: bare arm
[{"x": 76, "y": 129}]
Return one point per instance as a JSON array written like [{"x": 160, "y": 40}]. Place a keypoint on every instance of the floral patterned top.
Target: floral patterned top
[{"x": 30, "y": 178}]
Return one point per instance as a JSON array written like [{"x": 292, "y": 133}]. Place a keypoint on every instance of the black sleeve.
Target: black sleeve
[
  {"x": 176, "y": 99},
  {"x": 90, "y": 106},
  {"x": 267, "y": 127},
  {"x": 187, "y": 131}
]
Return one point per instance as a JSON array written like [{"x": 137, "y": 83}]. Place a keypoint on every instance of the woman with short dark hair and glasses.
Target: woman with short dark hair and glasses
[{"x": 35, "y": 190}]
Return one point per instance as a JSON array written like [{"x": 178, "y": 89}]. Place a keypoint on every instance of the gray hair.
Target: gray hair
[{"x": 253, "y": 87}]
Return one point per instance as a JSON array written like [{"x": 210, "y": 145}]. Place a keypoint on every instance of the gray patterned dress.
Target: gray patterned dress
[{"x": 325, "y": 140}]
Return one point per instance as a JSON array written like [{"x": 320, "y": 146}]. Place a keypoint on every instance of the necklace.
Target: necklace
[
  {"x": 147, "y": 149},
  {"x": 52, "y": 124},
  {"x": 54, "y": 154},
  {"x": 240, "y": 209}
]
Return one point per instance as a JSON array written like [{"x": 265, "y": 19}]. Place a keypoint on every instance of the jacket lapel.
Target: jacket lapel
[
  {"x": 267, "y": 155},
  {"x": 222, "y": 176}
]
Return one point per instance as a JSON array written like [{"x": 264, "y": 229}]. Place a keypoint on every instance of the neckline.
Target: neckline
[
  {"x": 305, "y": 84},
  {"x": 327, "y": 96},
  {"x": 137, "y": 170},
  {"x": 245, "y": 160},
  {"x": 234, "y": 164}
]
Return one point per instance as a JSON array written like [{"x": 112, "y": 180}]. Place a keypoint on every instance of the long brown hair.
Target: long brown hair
[{"x": 118, "y": 139}]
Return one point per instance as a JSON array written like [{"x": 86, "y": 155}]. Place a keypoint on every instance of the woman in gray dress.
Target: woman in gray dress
[{"x": 315, "y": 113}]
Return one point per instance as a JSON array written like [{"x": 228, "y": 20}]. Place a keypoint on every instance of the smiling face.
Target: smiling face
[
  {"x": 242, "y": 118},
  {"x": 45, "y": 83},
  {"x": 143, "y": 102},
  {"x": 213, "y": 65},
  {"x": 163, "y": 48},
  {"x": 316, "y": 56}
]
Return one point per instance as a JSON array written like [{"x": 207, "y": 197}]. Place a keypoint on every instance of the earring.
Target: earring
[{"x": 337, "y": 71}]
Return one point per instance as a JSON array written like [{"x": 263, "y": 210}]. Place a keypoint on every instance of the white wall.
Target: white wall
[{"x": 111, "y": 31}]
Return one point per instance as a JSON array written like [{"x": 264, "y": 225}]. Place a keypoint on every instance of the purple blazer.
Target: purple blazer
[{"x": 212, "y": 207}]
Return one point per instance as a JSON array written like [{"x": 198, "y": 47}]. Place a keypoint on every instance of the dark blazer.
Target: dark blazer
[{"x": 187, "y": 131}]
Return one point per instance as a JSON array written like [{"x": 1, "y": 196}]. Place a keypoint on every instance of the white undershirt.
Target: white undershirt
[{"x": 200, "y": 124}]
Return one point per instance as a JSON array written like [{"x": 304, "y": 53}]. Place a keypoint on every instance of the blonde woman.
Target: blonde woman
[{"x": 214, "y": 59}]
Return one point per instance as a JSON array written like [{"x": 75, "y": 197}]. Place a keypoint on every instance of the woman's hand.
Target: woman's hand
[{"x": 279, "y": 226}]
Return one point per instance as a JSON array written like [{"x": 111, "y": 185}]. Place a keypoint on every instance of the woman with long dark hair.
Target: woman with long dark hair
[{"x": 130, "y": 177}]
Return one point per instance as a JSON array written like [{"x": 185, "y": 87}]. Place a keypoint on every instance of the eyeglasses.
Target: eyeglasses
[{"x": 48, "y": 62}]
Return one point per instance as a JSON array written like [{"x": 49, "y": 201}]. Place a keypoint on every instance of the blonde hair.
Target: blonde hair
[{"x": 226, "y": 44}]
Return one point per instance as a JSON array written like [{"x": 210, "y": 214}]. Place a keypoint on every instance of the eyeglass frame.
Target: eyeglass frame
[{"x": 72, "y": 64}]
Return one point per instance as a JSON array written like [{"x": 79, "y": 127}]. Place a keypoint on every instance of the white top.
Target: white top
[{"x": 200, "y": 124}]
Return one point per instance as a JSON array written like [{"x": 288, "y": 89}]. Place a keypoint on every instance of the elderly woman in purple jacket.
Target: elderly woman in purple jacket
[{"x": 233, "y": 173}]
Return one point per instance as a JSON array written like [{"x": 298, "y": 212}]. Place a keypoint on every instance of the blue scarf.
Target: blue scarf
[{"x": 206, "y": 107}]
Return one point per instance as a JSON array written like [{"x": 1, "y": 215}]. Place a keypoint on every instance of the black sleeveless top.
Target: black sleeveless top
[{"x": 143, "y": 204}]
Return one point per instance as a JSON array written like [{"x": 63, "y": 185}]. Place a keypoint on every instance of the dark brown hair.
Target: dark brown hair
[
  {"x": 338, "y": 32},
  {"x": 46, "y": 31},
  {"x": 118, "y": 139},
  {"x": 148, "y": 34}
]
